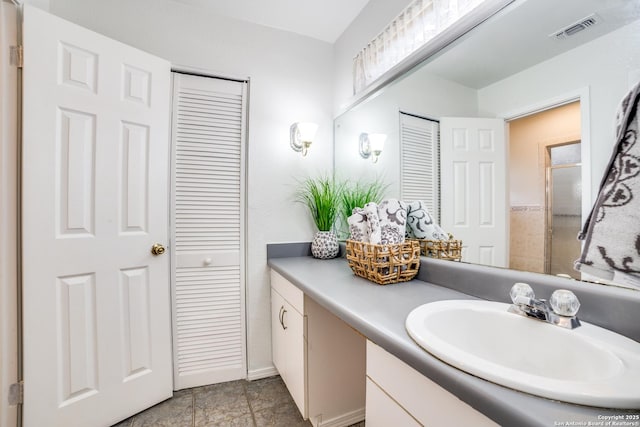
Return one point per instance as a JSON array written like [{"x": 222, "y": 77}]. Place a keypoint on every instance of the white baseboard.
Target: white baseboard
[
  {"x": 343, "y": 420},
  {"x": 257, "y": 374}
]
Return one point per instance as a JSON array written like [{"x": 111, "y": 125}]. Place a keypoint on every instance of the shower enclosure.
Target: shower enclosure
[{"x": 564, "y": 200}]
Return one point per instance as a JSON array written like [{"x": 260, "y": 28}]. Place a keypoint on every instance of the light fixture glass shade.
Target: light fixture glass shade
[
  {"x": 376, "y": 142},
  {"x": 371, "y": 145},
  {"x": 307, "y": 130},
  {"x": 301, "y": 136}
]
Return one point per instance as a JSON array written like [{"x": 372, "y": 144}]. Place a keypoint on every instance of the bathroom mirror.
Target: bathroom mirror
[{"x": 557, "y": 68}]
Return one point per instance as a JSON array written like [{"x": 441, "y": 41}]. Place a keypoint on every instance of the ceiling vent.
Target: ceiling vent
[{"x": 575, "y": 28}]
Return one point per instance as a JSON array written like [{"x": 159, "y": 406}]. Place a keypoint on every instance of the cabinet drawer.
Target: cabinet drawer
[
  {"x": 383, "y": 411},
  {"x": 289, "y": 292},
  {"x": 425, "y": 400}
]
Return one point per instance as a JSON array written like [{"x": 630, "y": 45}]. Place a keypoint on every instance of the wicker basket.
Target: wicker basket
[
  {"x": 384, "y": 264},
  {"x": 441, "y": 249}
]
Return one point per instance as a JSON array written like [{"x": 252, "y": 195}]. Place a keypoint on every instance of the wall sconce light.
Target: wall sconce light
[
  {"x": 301, "y": 136},
  {"x": 371, "y": 144}
]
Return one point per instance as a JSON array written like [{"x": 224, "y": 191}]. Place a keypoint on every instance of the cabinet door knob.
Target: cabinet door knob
[{"x": 280, "y": 315}]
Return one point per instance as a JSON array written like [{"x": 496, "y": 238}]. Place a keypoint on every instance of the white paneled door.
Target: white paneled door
[
  {"x": 474, "y": 187},
  {"x": 97, "y": 323},
  {"x": 208, "y": 295}
]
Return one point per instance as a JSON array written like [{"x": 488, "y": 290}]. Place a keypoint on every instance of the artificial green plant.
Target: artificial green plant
[
  {"x": 322, "y": 196},
  {"x": 356, "y": 195}
]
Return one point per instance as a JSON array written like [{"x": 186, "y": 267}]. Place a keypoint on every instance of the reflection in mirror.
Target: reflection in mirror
[
  {"x": 554, "y": 93},
  {"x": 540, "y": 209},
  {"x": 564, "y": 219}
]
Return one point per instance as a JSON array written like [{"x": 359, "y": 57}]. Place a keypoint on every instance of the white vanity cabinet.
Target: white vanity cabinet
[
  {"x": 400, "y": 395},
  {"x": 320, "y": 358},
  {"x": 288, "y": 338}
]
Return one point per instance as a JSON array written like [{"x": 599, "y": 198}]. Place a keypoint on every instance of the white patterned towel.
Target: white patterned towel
[
  {"x": 358, "y": 226},
  {"x": 393, "y": 221},
  {"x": 420, "y": 223},
  {"x": 612, "y": 231},
  {"x": 373, "y": 223}
]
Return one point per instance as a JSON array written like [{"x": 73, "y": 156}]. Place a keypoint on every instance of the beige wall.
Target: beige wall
[{"x": 529, "y": 138}]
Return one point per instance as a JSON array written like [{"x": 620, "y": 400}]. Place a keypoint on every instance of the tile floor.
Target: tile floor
[{"x": 241, "y": 403}]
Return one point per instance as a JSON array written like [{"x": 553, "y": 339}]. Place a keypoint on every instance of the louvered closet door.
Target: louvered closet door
[
  {"x": 419, "y": 170},
  {"x": 208, "y": 293}
]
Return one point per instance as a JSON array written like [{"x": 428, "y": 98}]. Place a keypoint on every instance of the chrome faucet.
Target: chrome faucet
[{"x": 560, "y": 310}]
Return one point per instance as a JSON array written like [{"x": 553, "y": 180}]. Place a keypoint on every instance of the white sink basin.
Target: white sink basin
[{"x": 588, "y": 365}]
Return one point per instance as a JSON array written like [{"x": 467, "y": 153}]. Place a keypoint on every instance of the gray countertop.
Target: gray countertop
[{"x": 379, "y": 313}]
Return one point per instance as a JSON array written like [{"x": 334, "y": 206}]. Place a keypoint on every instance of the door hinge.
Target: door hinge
[
  {"x": 15, "y": 56},
  {"x": 16, "y": 393}
]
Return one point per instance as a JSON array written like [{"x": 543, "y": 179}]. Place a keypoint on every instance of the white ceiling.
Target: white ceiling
[
  {"x": 514, "y": 40},
  {"x": 324, "y": 20},
  {"x": 519, "y": 38}
]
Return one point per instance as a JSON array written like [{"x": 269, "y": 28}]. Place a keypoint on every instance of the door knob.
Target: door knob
[{"x": 157, "y": 249}]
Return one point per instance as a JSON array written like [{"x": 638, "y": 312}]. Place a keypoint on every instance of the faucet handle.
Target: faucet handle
[
  {"x": 520, "y": 290},
  {"x": 564, "y": 303}
]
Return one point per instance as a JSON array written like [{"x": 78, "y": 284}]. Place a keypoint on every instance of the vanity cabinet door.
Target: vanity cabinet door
[
  {"x": 277, "y": 333},
  {"x": 288, "y": 347},
  {"x": 295, "y": 349}
]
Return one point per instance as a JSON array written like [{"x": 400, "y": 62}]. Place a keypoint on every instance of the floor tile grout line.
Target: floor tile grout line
[
  {"x": 256, "y": 398},
  {"x": 246, "y": 396},
  {"x": 193, "y": 407}
]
